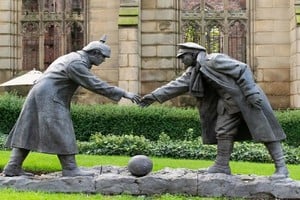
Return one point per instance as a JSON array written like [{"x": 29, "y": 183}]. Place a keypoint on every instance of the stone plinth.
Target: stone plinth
[{"x": 111, "y": 180}]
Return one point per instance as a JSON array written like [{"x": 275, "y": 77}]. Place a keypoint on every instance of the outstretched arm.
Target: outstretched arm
[{"x": 80, "y": 74}]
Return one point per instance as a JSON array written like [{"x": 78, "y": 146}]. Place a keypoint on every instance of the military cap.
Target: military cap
[
  {"x": 99, "y": 45},
  {"x": 189, "y": 47}
]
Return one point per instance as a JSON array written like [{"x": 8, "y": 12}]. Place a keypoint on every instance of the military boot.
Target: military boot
[
  {"x": 224, "y": 150},
  {"x": 14, "y": 165},
  {"x": 69, "y": 166},
  {"x": 275, "y": 150}
]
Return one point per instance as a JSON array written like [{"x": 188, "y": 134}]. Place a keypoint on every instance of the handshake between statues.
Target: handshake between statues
[
  {"x": 133, "y": 97},
  {"x": 147, "y": 100},
  {"x": 144, "y": 101}
]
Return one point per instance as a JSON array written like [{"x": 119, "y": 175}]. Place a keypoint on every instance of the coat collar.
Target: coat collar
[{"x": 85, "y": 58}]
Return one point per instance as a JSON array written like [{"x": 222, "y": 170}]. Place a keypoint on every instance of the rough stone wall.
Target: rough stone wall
[
  {"x": 9, "y": 54},
  {"x": 120, "y": 20},
  {"x": 271, "y": 38},
  {"x": 159, "y": 38},
  {"x": 111, "y": 180},
  {"x": 143, "y": 55},
  {"x": 129, "y": 47},
  {"x": 102, "y": 19},
  {"x": 295, "y": 52}
]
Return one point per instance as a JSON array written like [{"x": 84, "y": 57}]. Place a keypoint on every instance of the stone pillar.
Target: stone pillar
[
  {"x": 271, "y": 38},
  {"x": 129, "y": 47},
  {"x": 9, "y": 38},
  {"x": 295, "y": 53},
  {"x": 102, "y": 18},
  {"x": 159, "y": 40}
]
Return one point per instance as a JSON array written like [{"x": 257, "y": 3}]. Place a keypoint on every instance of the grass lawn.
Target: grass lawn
[
  {"x": 44, "y": 162},
  {"x": 9, "y": 194}
]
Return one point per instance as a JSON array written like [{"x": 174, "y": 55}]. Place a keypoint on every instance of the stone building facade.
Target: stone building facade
[{"x": 143, "y": 35}]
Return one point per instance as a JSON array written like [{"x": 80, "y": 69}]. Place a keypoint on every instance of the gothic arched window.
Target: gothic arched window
[
  {"x": 219, "y": 25},
  {"x": 50, "y": 28}
]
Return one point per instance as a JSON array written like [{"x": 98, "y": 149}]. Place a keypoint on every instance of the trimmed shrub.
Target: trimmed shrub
[
  {"x": 150, "y": 122},
  {"x": 10, "y": 108},
  {"x": 290, "y": 122}
]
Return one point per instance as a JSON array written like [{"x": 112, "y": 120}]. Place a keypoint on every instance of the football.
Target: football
[{"x": 140, "y": 165}]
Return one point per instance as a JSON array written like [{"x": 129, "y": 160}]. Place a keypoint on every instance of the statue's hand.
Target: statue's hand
[
  {"x": 255, "y": 100},
  {"x": 147, "y": 100},
  {"x": 133, "y": 97}
]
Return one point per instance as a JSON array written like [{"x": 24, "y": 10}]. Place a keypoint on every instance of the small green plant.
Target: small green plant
[
  {"x": 116, "y": 145},
  {"x": 188, "y": 149},
  {"x": 2, "y": 141}
]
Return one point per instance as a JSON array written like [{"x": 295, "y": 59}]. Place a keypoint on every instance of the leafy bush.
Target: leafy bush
[
  {"x": 166, "y": 147},
  {"x": 115, "y": 145},
  {"x": 2, "y": 141},
  {"x": 189, "y": 149}
]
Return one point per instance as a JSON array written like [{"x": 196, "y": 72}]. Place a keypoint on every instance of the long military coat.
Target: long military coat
[
  {"x": 235, "y": 78},
  {"x": 44, "y": 123}
]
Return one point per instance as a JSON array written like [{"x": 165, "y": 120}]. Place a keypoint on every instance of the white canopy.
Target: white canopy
[{"x": 26, "y": 79}]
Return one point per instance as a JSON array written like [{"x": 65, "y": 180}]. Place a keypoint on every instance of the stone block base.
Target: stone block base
[{"x": 111, "y": 180}]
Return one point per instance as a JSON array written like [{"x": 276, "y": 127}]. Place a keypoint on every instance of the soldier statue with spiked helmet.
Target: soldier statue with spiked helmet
[
  {"x": 45, "y": 124},
  {"x": 231, "y": 105}
]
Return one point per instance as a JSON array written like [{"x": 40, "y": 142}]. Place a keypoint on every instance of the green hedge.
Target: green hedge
[
  {"x": 290, "y": 122},
  {"x": 177, "y": 123},
  {"x": 149, "y": 122},
  {"x": 10, "y": 107}
]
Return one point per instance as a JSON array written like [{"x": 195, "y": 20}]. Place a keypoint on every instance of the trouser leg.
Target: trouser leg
[
  {"x": 276, "y": 152},
  {"x": 14, "y": 165},
  {"x": 69, "y": 166},
  {"x": 226, "y": 129},
  {"x": 224, "y": 150}
]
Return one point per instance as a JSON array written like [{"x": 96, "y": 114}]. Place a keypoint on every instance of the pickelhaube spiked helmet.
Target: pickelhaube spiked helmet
[
  {"x": 189, "y": 47},
  {"x": 99, "y": 45}
]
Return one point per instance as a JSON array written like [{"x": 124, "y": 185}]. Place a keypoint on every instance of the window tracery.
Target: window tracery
[
  {"x": 50, "y": 28},
  {"x": 219, "y": 25}
]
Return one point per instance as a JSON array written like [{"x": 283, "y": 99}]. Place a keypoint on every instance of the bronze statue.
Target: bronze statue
[
  {"x": 45, "y": 124},
  {"x": 231, "y": 105}
]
